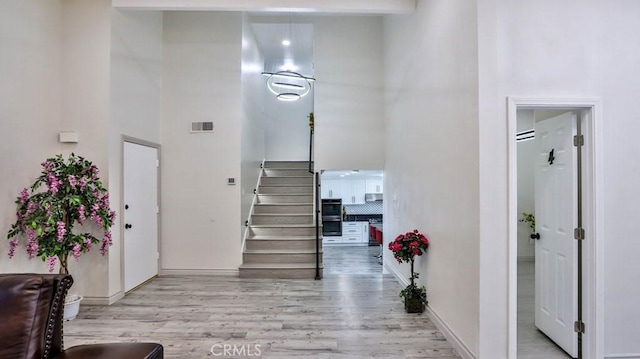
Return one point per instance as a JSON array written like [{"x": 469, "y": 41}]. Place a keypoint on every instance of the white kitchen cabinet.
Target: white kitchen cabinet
[
  {"x": 331, "y": 240},
  {"x": 355, "y": 232},
  {"x": 374, "y": 185},
  {"x": 353, "y": 191},
  {"x": 331, "y": 189}
]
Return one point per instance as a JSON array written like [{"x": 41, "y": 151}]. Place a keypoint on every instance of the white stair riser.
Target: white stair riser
[
  {"x": 280, "y": 258},
  {"x": 287, "y": 164},
  {"x": 282, "y": 219},
  {"x": 275, "y": 199},
  {"x": 274, "y": 209},
  {"x": 279, "y": 273},
  {"x": 282, "y": 172},
  {"x": 270, "y": 181},
  {"x": 283, "y": 231},
  {"x": 286, "y": 190},
  {"x": 274, "y": 244}
]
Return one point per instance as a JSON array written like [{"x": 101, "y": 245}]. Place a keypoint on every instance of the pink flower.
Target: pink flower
[
  {"x": 414, "y": 244},
  {"x": 51, "y": 262},
  {"x": 12, "y": 248},
  {"x": 112, "y": 215},
  {"x": 72, "y": 181},
  {"x": 32, "y": 244},
  {"x": 53, "y": 183},
  {"x": 416, "y": 252},
  {"x": 47, "y": 165},
  {"x": 82, "y": 183},
  {"x": 31, "y": 208},
  {"x": 77, "y": 250},
  {"x": 106, "y": 242},
  {"x": 87, "y": 243},
  {"x": 24, "y": 196},
  {"x": 62, "y": 231},
  {"x": 81, "y": 214}
]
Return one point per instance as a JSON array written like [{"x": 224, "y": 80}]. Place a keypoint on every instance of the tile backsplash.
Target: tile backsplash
[{"x": 367, "y": 208}]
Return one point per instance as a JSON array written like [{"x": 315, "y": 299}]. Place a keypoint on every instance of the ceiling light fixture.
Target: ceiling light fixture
[
  {"x": 286, "y": 42},
  {"x": 296, "y": 85}
]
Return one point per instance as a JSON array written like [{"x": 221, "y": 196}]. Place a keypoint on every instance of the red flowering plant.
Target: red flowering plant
[
  {"x": 405, "y": 248},
  {"x": 74, "y": 195}
]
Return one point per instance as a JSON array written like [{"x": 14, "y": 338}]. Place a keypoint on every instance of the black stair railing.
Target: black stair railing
[
  {"x": 318, "y": 216},
  {"x": 311, "y": 142}
]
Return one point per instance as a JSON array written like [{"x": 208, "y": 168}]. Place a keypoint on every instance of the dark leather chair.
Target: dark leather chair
[{"x": 31, "y": 310}]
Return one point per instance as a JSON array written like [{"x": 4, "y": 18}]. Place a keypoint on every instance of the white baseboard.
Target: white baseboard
[
  {"x": 103, "y": 300},
  {"x": 396, "y": 273},
  {"x": 211, "y": 272},
  {"x": 452, "y": 338},
  {"x": 623, "y": 356}
]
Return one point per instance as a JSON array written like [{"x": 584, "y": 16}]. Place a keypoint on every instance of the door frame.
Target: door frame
[
  {"x": 157, "y": 146},
  {"x": 592, "y": 190}
]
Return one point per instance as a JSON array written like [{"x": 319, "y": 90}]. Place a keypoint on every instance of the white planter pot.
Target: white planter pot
[{"x": 72, "y": 307}]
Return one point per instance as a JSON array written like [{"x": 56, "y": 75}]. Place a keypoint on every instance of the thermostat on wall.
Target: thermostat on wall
[
  {"x": 68, "y": 137},
  {"x": 231, "y": 181}
]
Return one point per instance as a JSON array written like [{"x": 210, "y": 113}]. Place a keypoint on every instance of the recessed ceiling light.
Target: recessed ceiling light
[{"x": 286, "y": 42}]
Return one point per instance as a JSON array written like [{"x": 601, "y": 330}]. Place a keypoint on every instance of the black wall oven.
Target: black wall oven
[{"x": 331, "y": 217}]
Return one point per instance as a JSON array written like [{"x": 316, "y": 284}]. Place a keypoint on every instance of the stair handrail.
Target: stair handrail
[
  {"x": 311, "y": 130},
  {"x": 247, "y": 223},
  {"x": 318, "y": 216}
]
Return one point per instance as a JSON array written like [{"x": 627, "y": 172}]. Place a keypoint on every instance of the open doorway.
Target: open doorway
[
  {"x": 547, "y": 262},
  {"x": 552, "y": 178},
  {"x": 352, "y": 221}
]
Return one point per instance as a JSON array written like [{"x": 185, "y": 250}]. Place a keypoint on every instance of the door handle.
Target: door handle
[
  {"x": 127, "y": 226},
  {"x": 535, "y": 236}
]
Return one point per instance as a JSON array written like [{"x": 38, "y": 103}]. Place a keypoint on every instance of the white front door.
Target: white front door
[
  {"x": 140, "y": 214},
  {"x": 555, "y": 206}
]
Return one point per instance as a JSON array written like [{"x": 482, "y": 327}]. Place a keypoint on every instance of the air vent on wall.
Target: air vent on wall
[{"x": 200, "y": 127}]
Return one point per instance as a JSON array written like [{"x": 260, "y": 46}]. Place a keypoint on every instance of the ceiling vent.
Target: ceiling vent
[{"x": 201, "y": 127}]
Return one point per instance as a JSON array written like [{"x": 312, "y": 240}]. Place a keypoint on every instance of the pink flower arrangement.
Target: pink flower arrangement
[
  {"x": 405, "y": 248},
  {"x": 47, "y": 217}
]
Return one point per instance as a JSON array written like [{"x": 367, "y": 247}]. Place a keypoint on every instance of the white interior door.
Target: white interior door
[
  {"x": 140, "y": 214},
  {"x": 555, "y": 257}
]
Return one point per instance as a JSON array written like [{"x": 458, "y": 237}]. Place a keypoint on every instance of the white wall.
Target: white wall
[
  {"x": 30, "y": 48},
  {"x": 431, "y": 163},
  {"x": 201, "y": 82},
  {"x": 136, "y": 92},
  {"x": 86, "y": 46},
  {"x": 287, "y": 127},
  {"x": 253, "y": 122},
  {"x": 55, "y": 77},
  {"x": 526, "y": 184},
  {"x": 349, "y": 107},
  {"x": 568, "y": 49}
]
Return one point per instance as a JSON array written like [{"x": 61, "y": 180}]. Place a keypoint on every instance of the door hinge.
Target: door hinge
[
  {"x": 578, "y": 233},
  {"x": 578, "y": 140},
  {"x": 578, "y": 326},
  {"x": 157, "y": 163},
  {"x": 157, "y": 209}
]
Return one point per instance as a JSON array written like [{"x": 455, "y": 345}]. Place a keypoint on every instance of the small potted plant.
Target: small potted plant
[
  {"x": 46, "y": 218},
  {"x": 405, "y": 247},
  {"x": 530, "y": 220}
]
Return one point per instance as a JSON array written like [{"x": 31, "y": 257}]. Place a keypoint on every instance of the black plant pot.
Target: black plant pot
[{"x": 414, "y": 305}]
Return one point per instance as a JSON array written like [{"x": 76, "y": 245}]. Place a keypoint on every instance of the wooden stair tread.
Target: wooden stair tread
[
  {"x": 279, "y": 265},
  {"x": 283, "y": 225},
  {"x": 281, "y": 238},
  {"x": 281, "y": 251}
]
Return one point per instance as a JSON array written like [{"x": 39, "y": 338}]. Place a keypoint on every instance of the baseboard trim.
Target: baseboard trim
[
  {"x": 211, "y": 272},
  {"x": 456, "y": 343},
  {"x": 452, "y": 338},
  {"x": 527, "y": 259},
  {"x": 103, "y": 300},
  {"x": 623, "y": 356},
  {"x": 396, "y": 273}
]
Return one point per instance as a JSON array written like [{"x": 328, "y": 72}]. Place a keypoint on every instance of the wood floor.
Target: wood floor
[
  {"x": 354, "y": 312},
  {"x": 532, "y": 343}
]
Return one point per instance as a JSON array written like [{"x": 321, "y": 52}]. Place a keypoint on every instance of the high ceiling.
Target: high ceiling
[{"x": 297, "y": 56}]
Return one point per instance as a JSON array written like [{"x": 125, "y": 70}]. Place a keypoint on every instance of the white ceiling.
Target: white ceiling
[
  {"x": 352, "y": 174},
  {"x": 299, "y": 53}
]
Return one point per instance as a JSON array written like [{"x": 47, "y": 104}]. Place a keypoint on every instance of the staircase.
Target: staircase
[{"x": 281, "y": 241}]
